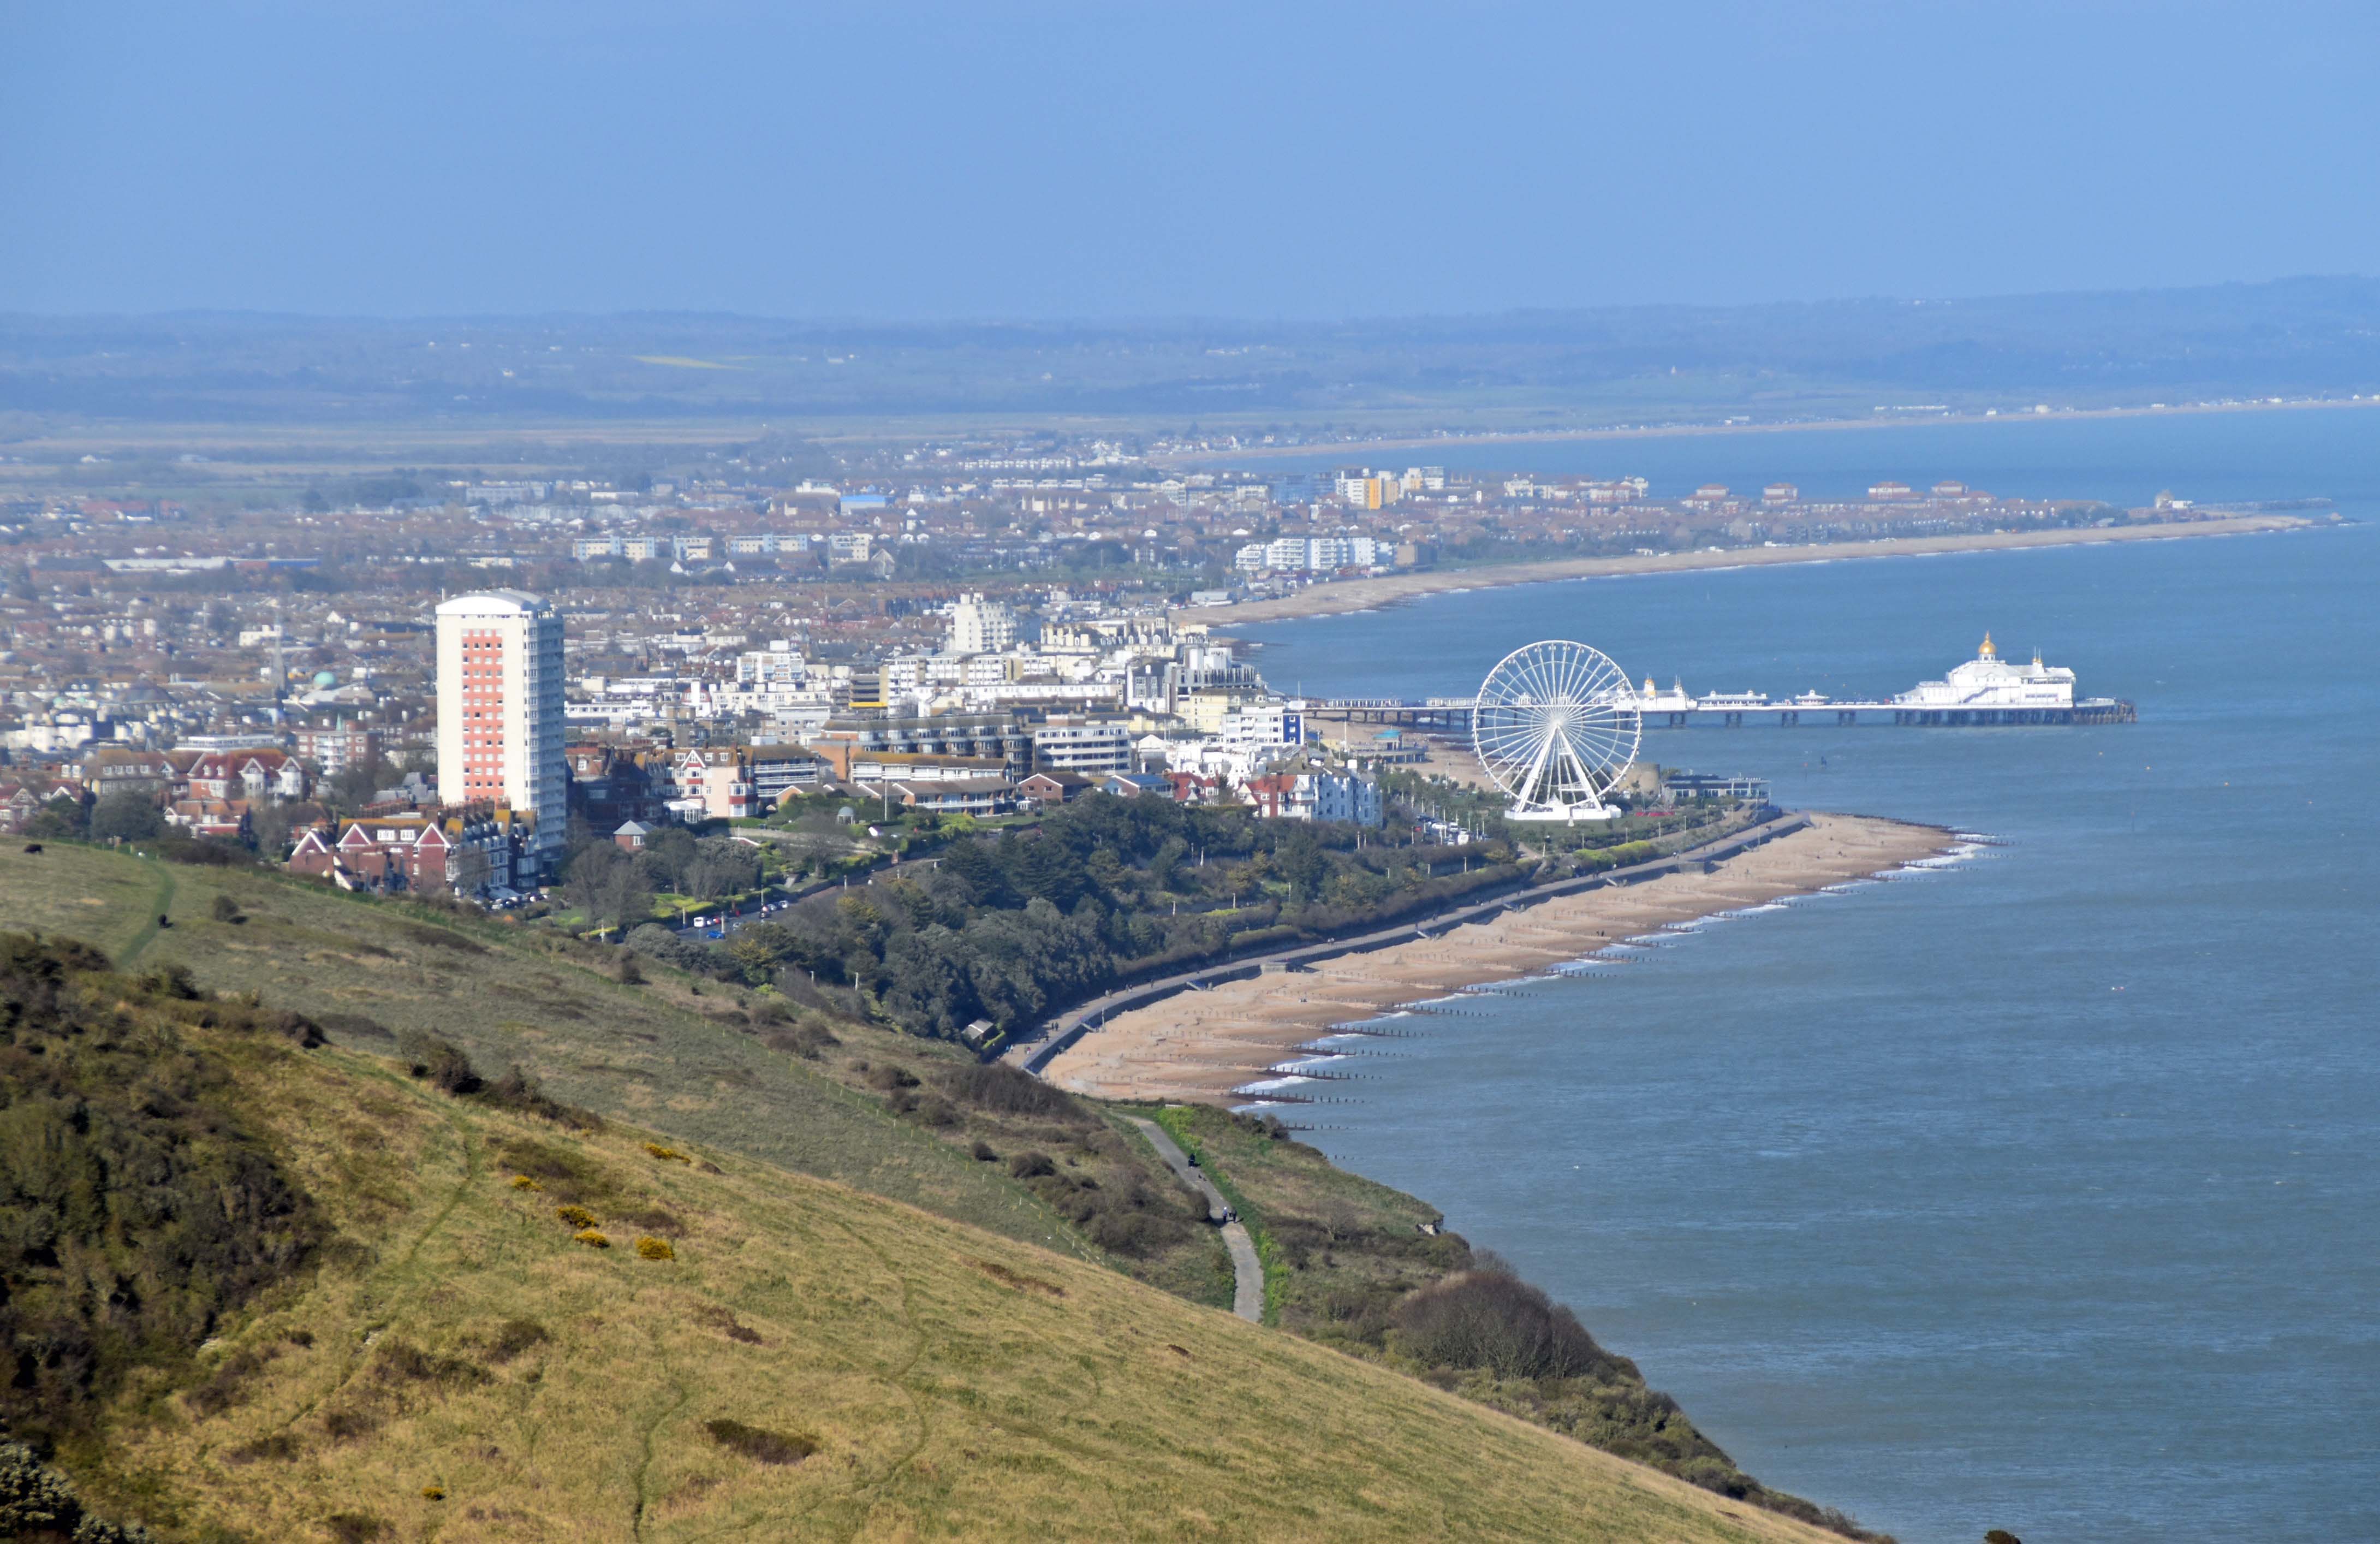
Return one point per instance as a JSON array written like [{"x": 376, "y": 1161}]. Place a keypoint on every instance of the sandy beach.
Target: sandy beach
[
  {"x": 1332, "y": 600},
  {"x": 1202, "y": 1045}
]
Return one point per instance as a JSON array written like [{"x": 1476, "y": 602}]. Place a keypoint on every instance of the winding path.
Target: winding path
[{"x": 1248, "y": 1271}]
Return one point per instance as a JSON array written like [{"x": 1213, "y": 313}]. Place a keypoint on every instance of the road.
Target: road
[{"x": 1248, "y": 1271}]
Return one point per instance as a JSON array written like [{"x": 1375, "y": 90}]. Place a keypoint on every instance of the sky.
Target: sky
[{"x": 912, "y": 161}]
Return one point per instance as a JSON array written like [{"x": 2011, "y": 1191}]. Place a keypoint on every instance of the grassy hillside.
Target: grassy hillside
[
  {"x": 709, "y": 1346},
  {"x": 366, "y": 971}
]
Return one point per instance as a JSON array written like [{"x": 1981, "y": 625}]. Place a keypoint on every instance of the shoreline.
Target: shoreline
[
  {"x": 1354, "y": 595},
  {"x": 1205, "y": 1046}
]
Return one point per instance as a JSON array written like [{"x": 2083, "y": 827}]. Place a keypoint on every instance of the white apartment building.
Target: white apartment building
[
  {"x": 500, "y": 712},
  {"x": 980, "y": 626},
  {"x": 780, "y": 664},
  {"x": 1083, "y": 745},
  {"x": 1311, "y": 554}
]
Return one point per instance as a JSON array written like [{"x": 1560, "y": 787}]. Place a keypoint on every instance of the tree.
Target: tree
[
  {"x": 269, "y": 826},
  {"x": 126, "y": 816},
  {"x": 608, "y": 887},
  {"x": 352, "y": 786}
]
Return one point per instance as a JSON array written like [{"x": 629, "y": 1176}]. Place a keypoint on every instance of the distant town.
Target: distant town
[{"x": 955, "y": 629}]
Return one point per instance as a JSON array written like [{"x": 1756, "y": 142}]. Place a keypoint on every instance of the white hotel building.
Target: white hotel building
[{"x": 500, "y": 724}]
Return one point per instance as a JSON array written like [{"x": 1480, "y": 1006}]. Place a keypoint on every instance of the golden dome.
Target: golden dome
[{"x": 1987, "y": 652}]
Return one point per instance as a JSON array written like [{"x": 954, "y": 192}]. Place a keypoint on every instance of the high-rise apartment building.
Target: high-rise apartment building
[{"x": 500, "y": 729}]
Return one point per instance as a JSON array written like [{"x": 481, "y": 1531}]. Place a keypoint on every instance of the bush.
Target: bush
[
  {"x": 1031, "y": 1165},
  {"x": 37, "y": 1503},
  {"x": 1501, "y": 1325},
  {"x": 225, "y": 909},
  {"x": 630, "y": 973},
  {"x": 568, "y": 1175},
  {"x": 761, "y": 1445},
  {"x": 1001, "y": 1090},
  {"x": 576, "y": 1216},
  {"x": 440, "y": 1062},
  {"x": 805, "y": 1040},
  {"x": 655, "y": 1248},
  {"x": 982, "y": 1150},
  {"x": 592, "y": 1239},
  {"x": 518, "y": 1092},
  {"x": 513, "y": 1337}
]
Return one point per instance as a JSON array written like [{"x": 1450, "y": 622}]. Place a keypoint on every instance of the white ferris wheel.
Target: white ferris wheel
[{"x": 1556, "y": 724}]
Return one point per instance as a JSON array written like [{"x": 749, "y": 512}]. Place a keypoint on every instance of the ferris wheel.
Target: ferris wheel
[{"x": 1556, "y": 724}]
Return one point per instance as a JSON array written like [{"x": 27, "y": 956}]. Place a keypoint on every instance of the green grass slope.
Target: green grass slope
[{"x": 787, "y": 1358}]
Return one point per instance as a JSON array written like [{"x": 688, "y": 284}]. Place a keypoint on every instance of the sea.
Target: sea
[{"x": 2038, "y": 1190}]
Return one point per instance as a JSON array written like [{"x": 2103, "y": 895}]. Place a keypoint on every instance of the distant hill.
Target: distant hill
[
  {"x": 2306, "y": 335},
  {"x": 484, "y": 1321}
]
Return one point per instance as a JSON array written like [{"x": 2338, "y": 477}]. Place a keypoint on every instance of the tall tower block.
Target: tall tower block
[{"x": 500, "y": 726}]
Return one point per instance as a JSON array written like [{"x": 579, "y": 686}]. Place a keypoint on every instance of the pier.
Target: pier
[{"x": 1736, "y": 711}]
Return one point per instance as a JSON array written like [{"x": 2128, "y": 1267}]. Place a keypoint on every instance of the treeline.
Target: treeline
[{"x": 1107, "y": 891}]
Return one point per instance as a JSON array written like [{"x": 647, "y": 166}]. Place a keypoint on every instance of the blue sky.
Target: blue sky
[{"x": 1102, "y": 160}]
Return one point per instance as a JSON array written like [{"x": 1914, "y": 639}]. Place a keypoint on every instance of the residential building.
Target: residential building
[
  {"x": 1086, "y": 746},
  {"x": 500, "y": 715},
  {"x": 1349, "y": 797},
  {"x": 980, "y": 626},
  {"x": 335, "y": 750}
]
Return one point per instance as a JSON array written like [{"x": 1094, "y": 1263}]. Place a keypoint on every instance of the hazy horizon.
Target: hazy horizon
[{"x": 931, "y": 163}]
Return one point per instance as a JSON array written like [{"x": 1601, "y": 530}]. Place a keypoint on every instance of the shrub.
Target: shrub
[
  {"x": 592, "y": 1239},
  {"x": 37, "y": 1503},
  {"x": 568, "y": 1175},
  {"x": 982, "y": 1150},
  {"x": 631, "y": 974},
  {"x": 225, "y": 909},
  {"x": 1005, "y": 1090},
  {"x": 403, "y": 1361},
  {"x": 513, "y": 1337},
  {"x": 805, "y": 1040},
  {"x": 519, "y": 1092},
  {"x": 761, "y": 1446},
  {"x": 349, "y": 1425},
  {"x": 439, "y": 1061},
  {"x": 1031, "y": 1165},
  {"x": 433, "y": 1493},
  {"x": 1499, "y": 1324},
  {"x": 653, "y": 1220},
  {"x": 279, "y": 1446},
  {"x": 354, "y": 1527},
  {"x": 522, "y": 1182},
  {"x": 669, "y": 1155},
  {"x": 576, "y": 1216},
  {"x": 655, "y": 1248}
]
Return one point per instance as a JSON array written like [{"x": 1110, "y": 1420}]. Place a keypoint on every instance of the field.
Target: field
[{"x": 519, "y": 1330}]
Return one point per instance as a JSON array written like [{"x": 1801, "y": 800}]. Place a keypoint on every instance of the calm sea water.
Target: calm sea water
[{"x": 2036, "y": 1194}]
